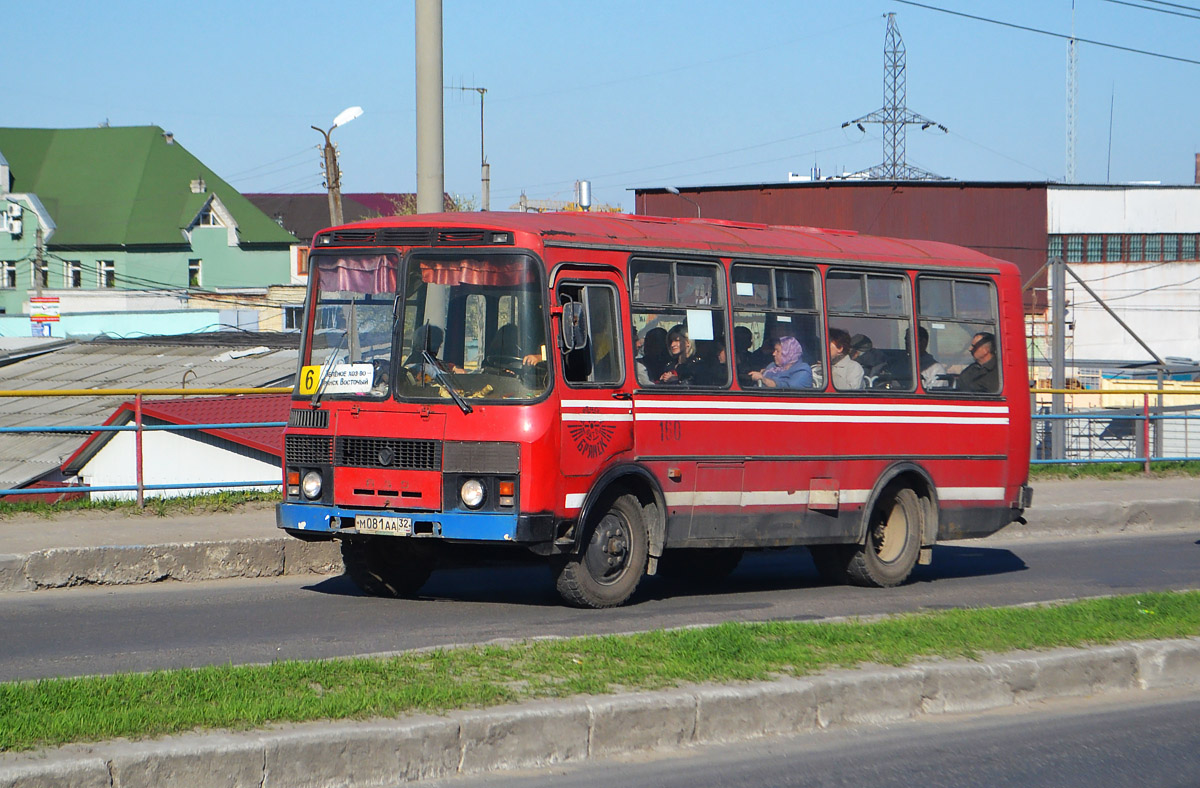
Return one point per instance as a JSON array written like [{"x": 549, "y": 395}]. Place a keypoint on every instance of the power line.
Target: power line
[
  {"x": 1156, "y": 10},
  {"x": 1039, "y": 31}
]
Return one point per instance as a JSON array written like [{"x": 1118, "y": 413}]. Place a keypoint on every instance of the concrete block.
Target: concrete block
[
  {"x": 523, "y": 736},
  {"x": 955, "y": 687},
  {"x": 215, "y": 759},
  {"x": 1077, "y": 672},
  {"x": 314, "y": 558},
  {"x": 868, "y": 696},
  {"x": 626, "y": 723},
  {"x": 753, "y": 710},
  {"x": 217, "y": 560},
  {"x": 12, "y": 574},
  {"x": 51, "y": 771},
  {"x": 360, "y": 754},
  {"x": 1168, "y": 663}
]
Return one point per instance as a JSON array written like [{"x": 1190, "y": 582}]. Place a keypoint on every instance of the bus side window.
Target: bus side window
[
  {"x": 870, "y": 315},
  {"x": 679, "y": 324},
  {"x": 771, "y": 304},
  {"x": 599, "y": 361},
  {"x": 957, "y": 337}
]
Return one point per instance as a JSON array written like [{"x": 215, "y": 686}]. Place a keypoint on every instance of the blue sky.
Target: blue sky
[{"x": 622, "y": 92}]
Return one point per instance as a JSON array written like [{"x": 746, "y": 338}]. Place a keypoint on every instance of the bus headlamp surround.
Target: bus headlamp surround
[
  {"x": 310, "y": 485},
  {"x": 472, "y": 493}
]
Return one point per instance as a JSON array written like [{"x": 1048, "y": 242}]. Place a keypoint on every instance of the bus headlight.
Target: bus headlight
[
  {"x": 472, "y": 493},
  {"x": 311, "y": 484}
]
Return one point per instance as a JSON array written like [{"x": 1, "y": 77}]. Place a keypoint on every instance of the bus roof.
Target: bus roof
[{"x": 728, "y": 238}]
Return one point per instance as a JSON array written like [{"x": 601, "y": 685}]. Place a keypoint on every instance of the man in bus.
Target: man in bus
[{"x": 983, "y": 375}]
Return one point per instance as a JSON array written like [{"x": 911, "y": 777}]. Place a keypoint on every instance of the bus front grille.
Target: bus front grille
[
  {"x": 308, "y": 418},
  {"x": 308, "y": 450},
  {"x": 406, "y": 455}
]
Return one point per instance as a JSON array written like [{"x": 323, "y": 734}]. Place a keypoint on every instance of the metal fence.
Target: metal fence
[
  {"x": 1150, "y": 432},
  {"x": 140, "y": 487}
]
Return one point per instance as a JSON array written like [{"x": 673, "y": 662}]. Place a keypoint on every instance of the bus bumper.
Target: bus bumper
[{"x": 307, "y": 521}]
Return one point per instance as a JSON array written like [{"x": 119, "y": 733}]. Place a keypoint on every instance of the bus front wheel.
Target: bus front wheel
[
  {"x": 611, "y": 563},
  {"x": 387, "y": 566},
  {"x": 893, "y": 542}
]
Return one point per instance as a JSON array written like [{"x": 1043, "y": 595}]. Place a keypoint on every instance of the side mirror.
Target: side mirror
[{"x": 574, "y": 330}]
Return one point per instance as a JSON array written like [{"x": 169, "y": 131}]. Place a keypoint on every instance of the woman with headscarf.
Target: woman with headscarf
[
  {"x": 788, "y": 370},
  {"x": 681, "y": 365}
]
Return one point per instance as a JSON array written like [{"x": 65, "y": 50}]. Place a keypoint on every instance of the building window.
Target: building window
[
  {"x": 8, "y": 276},
  {"x": 293, "y": 318},
  {"x": 193, "y": 273},
  {"x": 1189, "y": 248},
  {"x": 106, "y": 273},
  {"x": 1094, "y": 248},
  {"x": 1054, "y": 249},
  {"x": 1153, "y": 248},
  {"x": 1112, "y": 252},
  {"x": 1135, "y": 249},
  {"x": 72, "y": 274},
  {"x": 1074, "y": 248},
  {"x": 39, "y": 276},
  {"x": 208, "y": 218},
  {"x": 1170, "y": 248}
]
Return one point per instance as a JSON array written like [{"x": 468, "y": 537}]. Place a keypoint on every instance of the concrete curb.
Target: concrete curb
[
  {"x": 185, "y": 561},
  {"x": 384, "y": 752},
  {"x": 272, "y": 556},
  {"x": 1108, "y": 518}
]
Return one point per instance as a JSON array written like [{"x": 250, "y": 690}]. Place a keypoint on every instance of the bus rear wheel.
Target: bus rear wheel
[
  {"x": 387, "y": 566},
  {"x": 611, "y": 563},
  {"x": 893, "y": 542}
]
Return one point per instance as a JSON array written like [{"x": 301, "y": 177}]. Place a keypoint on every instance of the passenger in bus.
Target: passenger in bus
[
  {"x": 872, "y": 361},
  {"x": 788, "y": 370},
  {"x": 681, "y": 367},
  {"x": 654, "y": 358},
  {"x": 428, "y": 338},
  {"x": 743, "y": 338},
  {"x": 711, "y": 364},
  {"x": 983, "y": 375},
  {"x": 847, "y": 373},
  {"x": 933, "y": 372}
]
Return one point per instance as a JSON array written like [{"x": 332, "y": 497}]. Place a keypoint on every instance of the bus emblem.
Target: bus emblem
[{"x": 591, "y": 437}]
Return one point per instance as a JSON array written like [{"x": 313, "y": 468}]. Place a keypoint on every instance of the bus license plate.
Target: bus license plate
[{"x": 377, "y": 524}]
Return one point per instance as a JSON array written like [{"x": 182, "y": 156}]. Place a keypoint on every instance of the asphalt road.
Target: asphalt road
[
  {"x": 1134, "y": 740},
  {"x": 103, "y": 630}
]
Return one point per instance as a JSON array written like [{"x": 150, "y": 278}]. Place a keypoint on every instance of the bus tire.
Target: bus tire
[
  {"x": 893, "y": 542},
  {"x": 387, "y": 566},
  {"x": 612, "y": 560}
]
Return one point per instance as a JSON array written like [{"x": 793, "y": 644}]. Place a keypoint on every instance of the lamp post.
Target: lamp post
[
  {"x": 333, "y": 174},
  {"x": 673, "y": 190}
]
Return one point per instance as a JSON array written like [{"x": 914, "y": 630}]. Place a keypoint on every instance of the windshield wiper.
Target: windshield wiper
[
  {"x": 325, "y": 369},
  {"x": 442, "y": 378}
]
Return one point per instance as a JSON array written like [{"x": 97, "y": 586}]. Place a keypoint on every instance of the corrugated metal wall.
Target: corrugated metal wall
[{"x": 1003, "y": 220}]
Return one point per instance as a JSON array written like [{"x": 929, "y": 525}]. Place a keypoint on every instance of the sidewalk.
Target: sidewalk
[{"x": 119, "y": 548}]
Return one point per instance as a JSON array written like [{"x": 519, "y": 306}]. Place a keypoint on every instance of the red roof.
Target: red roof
[{"x": 239, "y": 409}]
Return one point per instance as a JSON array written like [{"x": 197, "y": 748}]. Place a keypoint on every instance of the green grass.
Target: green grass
[
  {"x": 156, "y": 506},
  {"x": 1114, "y": 470},
  {"x": 58, "y": 711}
]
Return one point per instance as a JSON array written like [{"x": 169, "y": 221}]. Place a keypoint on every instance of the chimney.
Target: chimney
[{"x": 1198, "y": 169}]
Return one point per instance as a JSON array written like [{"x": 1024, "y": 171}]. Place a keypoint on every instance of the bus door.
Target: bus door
[{"x": 597, "y": 413}]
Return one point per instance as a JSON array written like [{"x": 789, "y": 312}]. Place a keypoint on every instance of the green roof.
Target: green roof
[{"x": 123, "y": 186}]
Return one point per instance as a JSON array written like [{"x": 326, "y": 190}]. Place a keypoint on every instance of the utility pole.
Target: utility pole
[
  {"x": 333, "y": 173},
  {"x": 485, "y": 169},
  {"x": 1058, "y": 378},
  {"x": 1072, "y": 97},
  {"x": 431, "y": 172},
  {"x": 39, "y": 260}
]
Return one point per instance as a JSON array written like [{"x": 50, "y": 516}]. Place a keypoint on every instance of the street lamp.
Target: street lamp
[
  {"x": 333, "y": 175},
  {"x": 675, "y": 191}
]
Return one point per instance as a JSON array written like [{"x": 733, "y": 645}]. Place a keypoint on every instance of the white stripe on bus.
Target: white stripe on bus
[
  {"x": 820, "y": 418},
  {"x": 864, "y": 407},
  {"x": 596, "y": 403},
  {"x": 796, "y": 498}
]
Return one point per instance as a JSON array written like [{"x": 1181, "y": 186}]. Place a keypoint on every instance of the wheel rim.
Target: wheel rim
[
  {"x": 891, "y": 534},
  {"x": 607, "y": 555}
]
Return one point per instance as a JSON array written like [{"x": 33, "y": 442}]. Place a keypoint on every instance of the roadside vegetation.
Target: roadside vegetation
[
  {"x": 1115, "y": 470},
  {"x": 155, "y": 507},
  {"x": 57, "y": 711}
]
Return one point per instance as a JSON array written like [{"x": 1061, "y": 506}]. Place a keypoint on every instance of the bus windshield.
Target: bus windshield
[
  {"x": 475, "y": 324},
  {"x": 354, "y": 299}
]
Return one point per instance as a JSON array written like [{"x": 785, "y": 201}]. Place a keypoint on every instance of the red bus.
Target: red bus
[{"x": 632, "y": 395}]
